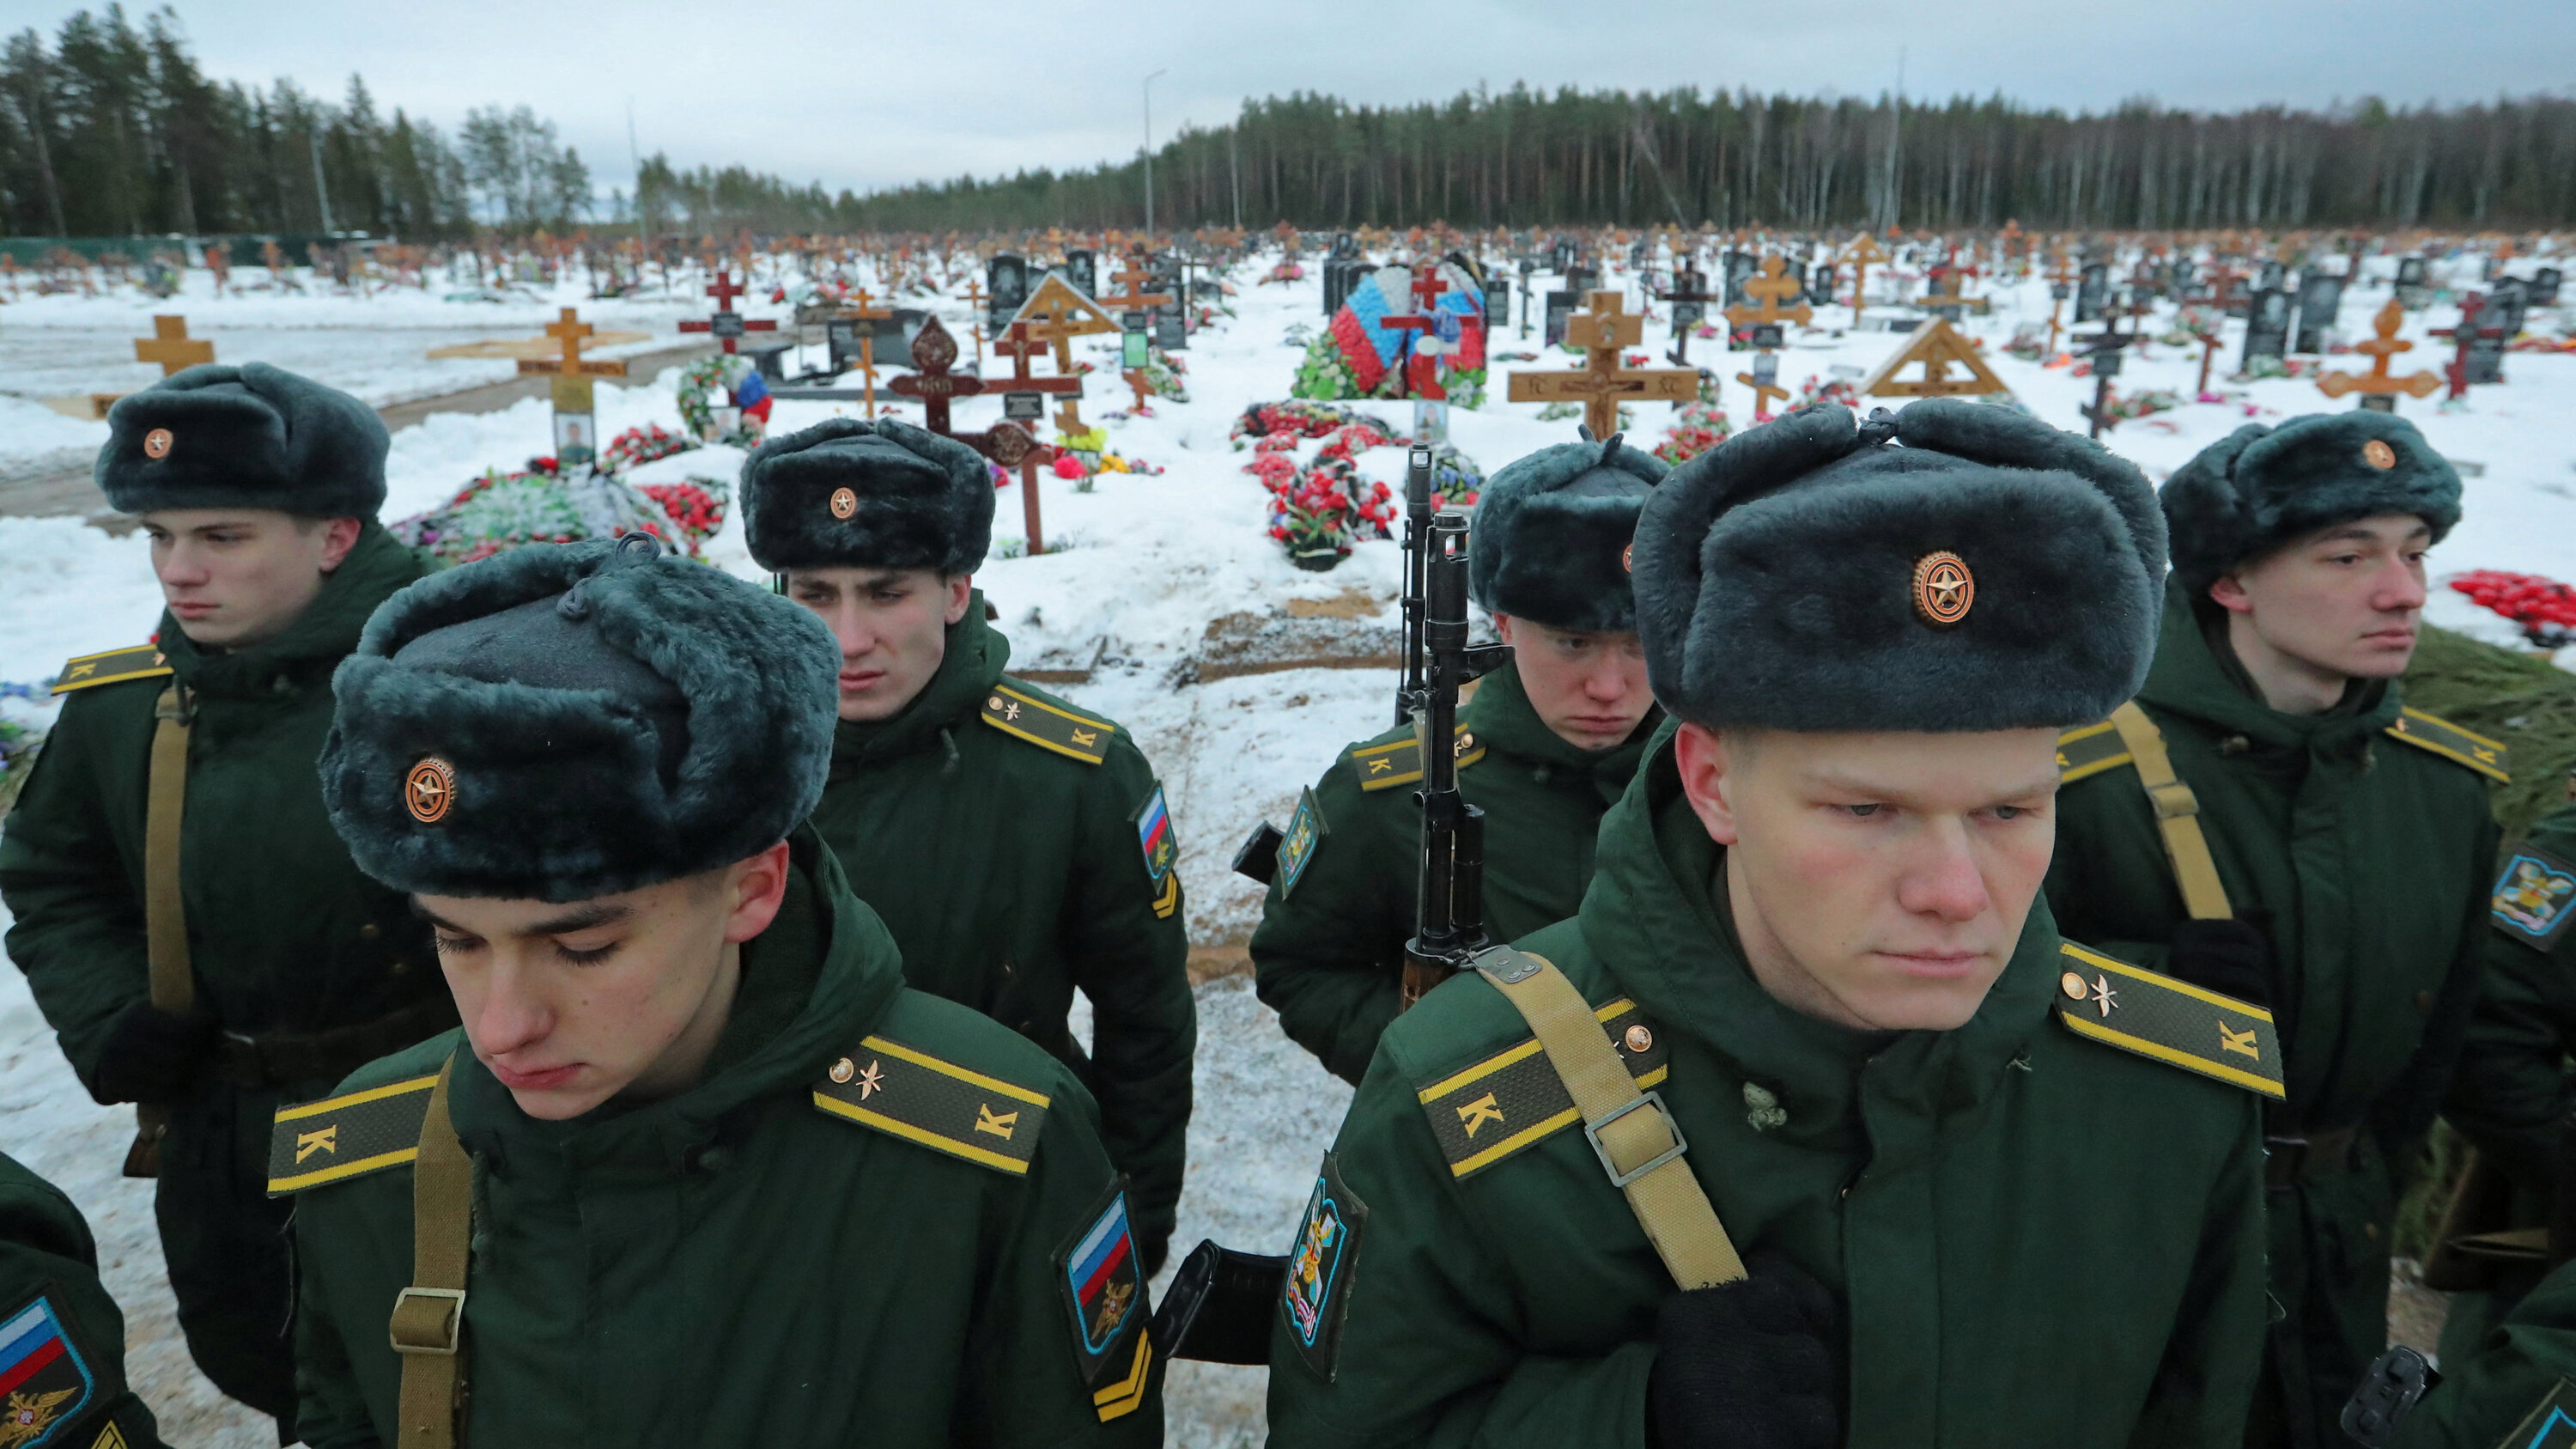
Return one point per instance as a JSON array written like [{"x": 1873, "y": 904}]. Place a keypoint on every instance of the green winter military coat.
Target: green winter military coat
[
  {"x": 1328, "y": 955},
  {"x": 285, "y": 937},
  {"x": 1020, "y": 849},
  {"x": 879, "y": 1221},
  {"x": 62, "y": 1340},
  {"x": 2036, "y": 1238},
  {"x": 2372, "y": 858},
  {"x": 2522, "y": 1377}
]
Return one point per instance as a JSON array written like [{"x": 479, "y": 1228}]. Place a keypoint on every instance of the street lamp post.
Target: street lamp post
[{"x": 1149, "y": 155}]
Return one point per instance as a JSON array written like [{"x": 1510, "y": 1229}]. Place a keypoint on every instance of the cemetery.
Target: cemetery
[{"x": 1197, "y": 438}]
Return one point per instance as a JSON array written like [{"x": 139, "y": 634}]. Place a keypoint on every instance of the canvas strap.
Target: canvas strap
[
  {"x": 428, "y": 1327},
  {"x": 165, "y": 914},
  {"x": 2177, "y": 816},
  {"x": 1638, "y": 1143}
]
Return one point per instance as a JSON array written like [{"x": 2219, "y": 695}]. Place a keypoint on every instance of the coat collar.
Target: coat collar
[{"x": 2201, "y": 679}]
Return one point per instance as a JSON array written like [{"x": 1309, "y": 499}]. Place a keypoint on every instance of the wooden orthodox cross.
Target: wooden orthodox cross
[
  {"x": 1055, "y": 314},
  {"x": 1024, "y": 391},
  {"x": 857, "y": 310},
  {"x": 933, "y": 353},
  {"x": 2378, "y": 389},
  {"x": 1768, "y": 288},
  {"x": 1601, "y": 330},
  {"x": 1861, "y": 254},
  {"x": 727, "y": 324},
  {"x": 576, "y": 431},
  {"x": 2061, "y": 285},
  {"x": 172, "y": 347}
]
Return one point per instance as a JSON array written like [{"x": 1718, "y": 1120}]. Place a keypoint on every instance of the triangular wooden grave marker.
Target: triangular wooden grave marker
[{"x": 1939, "y": 347}]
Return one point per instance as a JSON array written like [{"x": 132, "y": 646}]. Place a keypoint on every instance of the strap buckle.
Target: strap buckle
[
  {"x": 1592, "y": 1131},
  {"x": 2174, "y": 800},
  {"x": 428, "y": 1321}
]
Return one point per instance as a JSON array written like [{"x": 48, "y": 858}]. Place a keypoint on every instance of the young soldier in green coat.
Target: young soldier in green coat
[
  {"x": 1017, "y": 847},
  {"x": 1545, "y": 746},
  {"x": 1991, "y": 1188},
  {"x": 2334, "y": 848},
  {"x": 190, "y": 926},
  {"x": 62, "y": 1340},
  {"x": 699, "y": 1168}
]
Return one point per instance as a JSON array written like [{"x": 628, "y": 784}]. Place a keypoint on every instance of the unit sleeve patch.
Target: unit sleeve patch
[
  {"x": 908, "y": 1093},
  {"x": 1104, "y": 1289},
  {"x": 1306, "y": 832},
  {"x": 1316, "y": 1294},
  {"x": 347, "y": 1136},
  {"x": 2551, "y": 1424},
  {"x": 2169, "y": 1020},
  {"x": 2533, "y": 898},
  {"x": 47, "y": 1387}
]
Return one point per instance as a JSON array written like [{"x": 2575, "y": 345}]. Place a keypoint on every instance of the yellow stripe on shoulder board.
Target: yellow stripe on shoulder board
[
  {"x": 143, "y": 661},
  {"x": 347, "y": 1136},
  {"x": 1514, "y": 1098},
  {"x": 2438, "y": 735},
  {"x": 1399, "y": 762},
  {"x": 2089, "y": 751},
  {"x": 908, "y": 1093},
  {"x": 1048, "y": 726},
  {"x": 2168, "y": 1020}
]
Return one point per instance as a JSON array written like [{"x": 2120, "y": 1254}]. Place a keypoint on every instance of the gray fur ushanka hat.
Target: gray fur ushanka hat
[
  {"x": 1552, "y": 533},
  {"x": 244, "y": 437},
  {"x": 562, "y": 722},
  {"x": 1952, "y": 567},
  {"x": 2261, "y": 488},
  {"x": 881, "y": 495}
]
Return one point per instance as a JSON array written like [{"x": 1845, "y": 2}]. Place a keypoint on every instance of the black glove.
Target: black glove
[
  {"x": 152, "y": 1055},
  {"x": 2232, "y": 958},
  {"x": 1753, "y": 1364},
  {"x": 1151, "y": 1251}
]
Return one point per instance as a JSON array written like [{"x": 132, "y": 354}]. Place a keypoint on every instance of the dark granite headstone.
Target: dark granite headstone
[
  {"x": 1006, "y": 287},
  {"x": 2267, "y": 324},
  {"x": 2511, "y": 300},
  {"x": 1560, "y": 307},
  {"x": 2320, "y": 297},
  {"x": 1739, "y": 266},
  {"x": 1820, "y": 285},
  {"x": 1498, "y": 299},
  {"x": 1082, "y": 268},
  {"x": 2544, "y": 286},
  {"x": 2273, "y": 277},
  {"x": 2093, "y": 292},
  {"x": 2413, "y": 286}
]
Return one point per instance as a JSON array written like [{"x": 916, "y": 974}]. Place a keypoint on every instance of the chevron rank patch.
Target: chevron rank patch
[
  {"x": 143, "y": 661},
  {"x": 46, "y": 1385},
  {"x": 2170, "y": 1020},
  {"x": 1306, "y": 831},
  {"x": 915, "y": 1096},
  {"x": 1514, "y": 1098},
  {"x": 350, "y": 1136},
  {"x": 2534, "y": 898},
  {"x": 1104, "y": 1289},
  {"x": 2431, "y": 732},
  {"x": 1048, "y": 726},
  {"x": 2551, "y": 1424},
  {"x": 1399, "y": 762},
  {"x": 1316, "y": 1292},
  {"x": 2082, "y": 753}
]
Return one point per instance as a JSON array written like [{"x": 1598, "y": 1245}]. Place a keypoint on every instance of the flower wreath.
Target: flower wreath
[{"x": 697, "y": 411}]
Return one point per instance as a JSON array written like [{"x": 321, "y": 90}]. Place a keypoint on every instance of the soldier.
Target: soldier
[
  {"x": 62, "y": 1341},
  {"x": 1546, "y": 745},
  {"x": 1018, "y": 848},
  {"x": 2328, "y": 851},
  {"x": 1812, "y": 956},
  {"x": 190, "y": 926},
  {"x": 699, "y": 1168},
  {"x": 2517, "y": 1392}
]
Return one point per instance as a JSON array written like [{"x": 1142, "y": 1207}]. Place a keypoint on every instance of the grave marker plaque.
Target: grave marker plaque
[
  {"x": 1498, "y": 300},
  {"x": 1023, "y": 407},
  {"x": 1739, "y": 267},
  {"x": 2271, "y": 278},
  {"x": 2544, "y": 287},
  {"x": 1006, "y": 287},
  {"x": 1560, "y": 306},
  {"x": 2413, "y": 289},
  {"x": 2320, "y": 297},
  {"x": 1820, "y": 285},
  {"x": 2508, "y": 304},
  {"x": 2267, "y": 325},
  {"x": 2484, "y": 333},
  {"x": 1082, "y": 268}
]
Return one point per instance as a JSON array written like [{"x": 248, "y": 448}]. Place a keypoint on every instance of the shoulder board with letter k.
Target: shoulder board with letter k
[
  {"x": 143, "y": 661},
  {"x": 2088, "y": 751},
  {"x": 1514, "y": 1099},
  {"x": 908, "y": 1093},
  {"x": 2441, "y": 737},
  {"x": 2169, "y": 1020},
  {"x": 347, "y": 1136},
  {"x": 1048, "y": 726},
  {"x": 1399, "y": 762}
]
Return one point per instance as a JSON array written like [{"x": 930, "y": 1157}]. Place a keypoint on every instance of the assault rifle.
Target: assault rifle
[
  {"x": 1449, "y": 903},
  {"x": 1417, "y": 539}
]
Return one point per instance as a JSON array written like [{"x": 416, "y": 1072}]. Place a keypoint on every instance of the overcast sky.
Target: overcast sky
[{"x": 882, "y": 93}]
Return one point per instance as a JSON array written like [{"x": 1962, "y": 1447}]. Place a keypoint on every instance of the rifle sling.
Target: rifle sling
[
  {"x": 2177, "y": 816},
  {"x": 428, "y": 1327},
  {"x": 165, "y": 913},
  {"x": 1638, "y": 1143}
]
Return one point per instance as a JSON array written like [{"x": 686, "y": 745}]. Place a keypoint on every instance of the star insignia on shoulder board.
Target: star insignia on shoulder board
[{"x": 2104, "y": 998}]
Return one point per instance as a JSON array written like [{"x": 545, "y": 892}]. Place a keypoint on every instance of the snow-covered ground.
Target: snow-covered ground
[{"x": 1140, "y": 567}]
